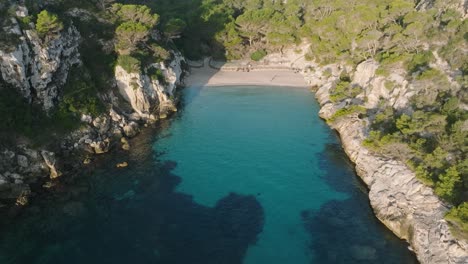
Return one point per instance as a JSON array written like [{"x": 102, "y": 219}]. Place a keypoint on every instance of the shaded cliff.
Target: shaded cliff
[{"x": 66, "y": 86}]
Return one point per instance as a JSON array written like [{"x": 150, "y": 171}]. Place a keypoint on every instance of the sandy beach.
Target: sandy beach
[{"x": 206, "y": 76}]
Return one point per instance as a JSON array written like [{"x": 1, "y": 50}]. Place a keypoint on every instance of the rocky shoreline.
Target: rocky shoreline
[
  {"x": 39, "y": 69},
  {"x": 409, "y": 208},
  {"x": 406, "y": 206}
]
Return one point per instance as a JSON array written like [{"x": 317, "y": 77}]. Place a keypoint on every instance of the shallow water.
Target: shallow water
[{"x": 240, "y": 175}]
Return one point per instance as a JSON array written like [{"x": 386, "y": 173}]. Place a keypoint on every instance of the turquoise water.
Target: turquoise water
[
  {"x": 258, "y": 141},
  {"x": 239, "y": 175},
  {"x": 262, "y": 141}
]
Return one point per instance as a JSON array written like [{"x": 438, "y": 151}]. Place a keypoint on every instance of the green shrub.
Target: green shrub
[
  {"x": 419, "y": 61},
  {"x": 25, "y": 22},
  {"x": 157, "y": 74},
  {"x": 339, "y": 92},
  {"x": 258, "y": 55},
  {"x": 48, "y": 23},
  {"x": 343, "y": 90},
  {"x": 129, "y": 35},
  {"x": 347, "y": 111},
  {"x": 160, "y": 53},
  {"x": 80, "y": 95},
  {"x": 448, "y": 185},
  {"x": 129, "y": 64},
  {"x": 459, "y": 216}
]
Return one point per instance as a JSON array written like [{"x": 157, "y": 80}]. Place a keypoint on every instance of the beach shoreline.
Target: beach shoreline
[{"x": 207, "y": 76}]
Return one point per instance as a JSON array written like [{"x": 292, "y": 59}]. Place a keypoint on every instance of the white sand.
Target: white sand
[{"x": 206, "y": 76}]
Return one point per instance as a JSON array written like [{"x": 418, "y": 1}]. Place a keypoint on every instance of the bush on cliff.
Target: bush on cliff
[
  {"x": 459, "y": 216},
  {"x": 129, "y": 63},
  {"x": 48, "y": 23}
]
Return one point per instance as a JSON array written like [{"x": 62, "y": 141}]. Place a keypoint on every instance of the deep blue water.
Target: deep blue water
[{"x": 240, "y": 175}]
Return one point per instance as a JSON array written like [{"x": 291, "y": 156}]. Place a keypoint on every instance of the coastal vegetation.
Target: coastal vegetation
[{"x": 47, "y": 23}]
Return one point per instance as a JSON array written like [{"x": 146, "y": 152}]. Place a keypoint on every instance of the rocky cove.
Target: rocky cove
[{"x": 404, "y": 204}]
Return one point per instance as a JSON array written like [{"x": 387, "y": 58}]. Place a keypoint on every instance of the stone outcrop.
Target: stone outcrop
[
  {"x": 404, "y": 204},
  {"x": 459, "y": 5},
  {"x": 150, "y": 97},
  {"x": 38, "y": 68}
]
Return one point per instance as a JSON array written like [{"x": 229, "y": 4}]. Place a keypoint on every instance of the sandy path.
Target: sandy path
[{"x": 206, "y": 76}]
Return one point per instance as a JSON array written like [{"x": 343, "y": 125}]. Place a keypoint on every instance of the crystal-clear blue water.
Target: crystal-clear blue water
[{"x": 240, "y": 175}]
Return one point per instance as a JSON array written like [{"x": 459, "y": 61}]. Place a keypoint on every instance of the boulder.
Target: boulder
[
  {"x": 50, "y": 161},
  {"x": 131, "y": 129},
  {"x": 22, "y": 161},
  {"x": 122, "y": 165},
  {"x": 363, "y": 253},
  {"x": 100, "y": 147},
  {"x": 125, "y": 144}
]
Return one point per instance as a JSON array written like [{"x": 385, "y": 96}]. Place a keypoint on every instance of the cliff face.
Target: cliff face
[
  {"x": 39, "y": 68},
  {"x": 405, "y": 205},
  {"x": 149, "y": 96}
]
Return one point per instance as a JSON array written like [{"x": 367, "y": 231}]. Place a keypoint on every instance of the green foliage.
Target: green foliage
[
  {"x": 20, "y": 118},
  {"x": 346, "y": 111},
  {"x": 448, "y": 186},
  {"x": 344, "y": 90},
  {"x": 129, "y": 63},
  {"x": 258, "y": 55},
  {"x": 434, "y": 143},
  {"x": 80, "y": 95},
  {"x": 174, "y": 27},
  {"x": 157, "y": 74},
  {"x": 129, "y": 35},
  {"x": 459, "y": 216},
  {"x": 420, "y": 61},
  {"x": 48, "y": 23},
  {"x": 25, "y": 22},
  {"x": 139, "y": 14},
  {"x": 160, "y": 53}
]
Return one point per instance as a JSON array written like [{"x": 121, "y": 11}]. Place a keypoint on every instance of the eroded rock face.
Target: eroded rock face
[
  {"x": 149, "y": 97},
  {"x": 39, "y": 68},
  {"x": 405, "y": 205},
  {"x": 459, "y": 5}
]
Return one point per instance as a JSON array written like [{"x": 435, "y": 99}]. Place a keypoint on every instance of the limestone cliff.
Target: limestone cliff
[
  {"x": 404, "y": 204},
  {"x": 149, "y": 96},
  {"x": 38, "y": 67}
]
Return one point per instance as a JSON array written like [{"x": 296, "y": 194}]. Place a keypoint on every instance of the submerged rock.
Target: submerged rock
[
  {"x": 22, "y": 161},
  {"x": 49, "y": 159},
  {"x": 23, "y": 198},
  {"x": 122, "y": 165},
  {"x": 125, "y": 144},
  {"x": 74, "y": 208},
  {"x": 363, "y": 253},
  {"x": 100, "y": 147},
  {"x": 131, "y": 129}
]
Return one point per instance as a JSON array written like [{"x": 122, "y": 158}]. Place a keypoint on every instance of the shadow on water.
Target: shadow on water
[
  {"x": 347, "y": 231},
  {"x": 132, "y": 215}
]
